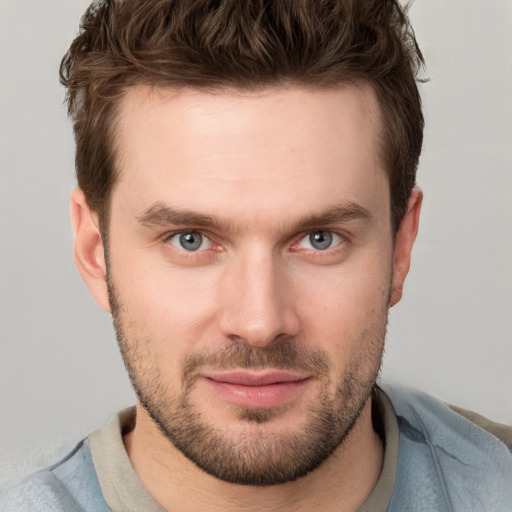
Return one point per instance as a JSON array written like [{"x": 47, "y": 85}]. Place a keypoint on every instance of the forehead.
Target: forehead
[{"x": 267, "y": 150}]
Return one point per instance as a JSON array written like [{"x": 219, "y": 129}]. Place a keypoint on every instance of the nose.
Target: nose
[{"x": 257, "y": 305}]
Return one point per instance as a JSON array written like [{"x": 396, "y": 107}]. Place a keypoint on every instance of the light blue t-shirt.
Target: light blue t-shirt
[{"x": 434, "y": 461}]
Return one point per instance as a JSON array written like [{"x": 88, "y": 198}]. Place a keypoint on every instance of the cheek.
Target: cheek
[
  {"x": 345, "y": 310},
  {"x": 171, "y": 308}
]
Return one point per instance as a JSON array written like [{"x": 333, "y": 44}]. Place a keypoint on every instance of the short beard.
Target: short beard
[{"x": 256, "y": 457}]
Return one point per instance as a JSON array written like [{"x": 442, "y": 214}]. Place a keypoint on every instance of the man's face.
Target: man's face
[{"x": 250, "y": 267}]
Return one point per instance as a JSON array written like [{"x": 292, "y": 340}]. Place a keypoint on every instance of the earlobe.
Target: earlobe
[
  {"x": 88, "y": 249},
  {"x": 404, "y": 242}
]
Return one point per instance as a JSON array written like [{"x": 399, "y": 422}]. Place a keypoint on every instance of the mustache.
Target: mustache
[{"x": 285, "y": 355}]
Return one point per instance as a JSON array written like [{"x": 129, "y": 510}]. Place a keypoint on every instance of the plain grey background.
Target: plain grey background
[{"x": 60, "y": 373}]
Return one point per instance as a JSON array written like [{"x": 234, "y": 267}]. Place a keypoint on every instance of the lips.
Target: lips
[
  {"x": 256, "y": 388},
  {"x": 255, "y": 377}
]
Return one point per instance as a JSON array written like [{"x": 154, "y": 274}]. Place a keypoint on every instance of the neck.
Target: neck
[{"x": 341, "y": 483}]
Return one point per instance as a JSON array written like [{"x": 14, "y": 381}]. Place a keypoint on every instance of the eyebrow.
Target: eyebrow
[
  {"x": 335, "y": 214},
  {"x": 160, "y": 214}
]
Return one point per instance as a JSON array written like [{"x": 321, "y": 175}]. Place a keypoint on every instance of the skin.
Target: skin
[{"x": 267, "y": 165}]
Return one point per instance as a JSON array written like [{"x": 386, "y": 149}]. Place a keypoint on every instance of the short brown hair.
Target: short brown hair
[{"x": 242, "y": 44}]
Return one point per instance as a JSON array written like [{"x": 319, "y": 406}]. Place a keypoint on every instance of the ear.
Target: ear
[
  {"x": 403, "y": 244},
  {"x": 88, "y": 249}
]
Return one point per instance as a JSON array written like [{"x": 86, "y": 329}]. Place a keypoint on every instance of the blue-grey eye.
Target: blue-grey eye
[
  {"x": 190, "y": 241},
  {"x": 320, "y": 240}
]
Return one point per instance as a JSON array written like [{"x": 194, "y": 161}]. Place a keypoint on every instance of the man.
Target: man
[{"x": 246, "y": 210}]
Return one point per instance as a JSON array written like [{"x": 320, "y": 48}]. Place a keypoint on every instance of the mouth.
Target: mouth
[{"x": 263, "y": 388}]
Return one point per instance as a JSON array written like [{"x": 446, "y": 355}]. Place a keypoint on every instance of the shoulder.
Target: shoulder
[
  {"x": 69, "y": 485},
  {"x": 499, "y": 430},
  {"x": 447, "y": 461}
]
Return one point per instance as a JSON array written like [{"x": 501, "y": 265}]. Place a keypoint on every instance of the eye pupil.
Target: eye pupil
[
  {"x": 321, "y": 240},
  {"x": 191, "y": 241}
]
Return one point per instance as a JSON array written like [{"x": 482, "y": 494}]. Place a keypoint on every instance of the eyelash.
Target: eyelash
[
  {"x": 342, "y": 239},
  {"x": 335, "y": 238},
  {"x": 183, "y": 253}
]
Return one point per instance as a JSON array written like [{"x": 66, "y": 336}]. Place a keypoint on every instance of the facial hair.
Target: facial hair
[{"x": 258, "y": 456}]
